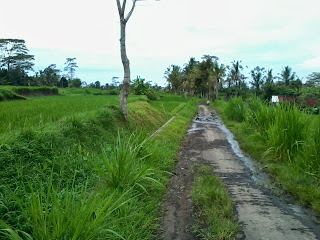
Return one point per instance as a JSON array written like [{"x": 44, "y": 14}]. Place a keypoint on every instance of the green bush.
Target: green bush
[
  {"x": 151, "y": 96},
  {"x": 113, "y": 92}
]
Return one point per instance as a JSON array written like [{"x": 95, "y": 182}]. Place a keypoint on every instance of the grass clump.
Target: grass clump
[
  {"x": 65, "y": 214},
  {"x": 126, "y": 167},
  {"x": 215, "y": 219},
  {"x": 287, "y": 135},
  {"x": 236, "y": 110}
]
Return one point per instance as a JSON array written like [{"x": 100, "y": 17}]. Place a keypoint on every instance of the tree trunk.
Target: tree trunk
[{"x": 126, "y": 68}]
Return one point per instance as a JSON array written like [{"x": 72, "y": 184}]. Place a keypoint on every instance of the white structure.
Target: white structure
[{"x": 275, "y": 99}]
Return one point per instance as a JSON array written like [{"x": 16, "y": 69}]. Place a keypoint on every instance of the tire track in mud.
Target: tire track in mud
[{"x": 261, "y": 214}]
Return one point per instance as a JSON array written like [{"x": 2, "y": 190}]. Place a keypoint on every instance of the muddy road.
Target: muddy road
[{"x": 261, "y": 214}]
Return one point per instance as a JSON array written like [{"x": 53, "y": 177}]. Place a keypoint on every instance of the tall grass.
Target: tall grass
[
  {"x": 216, "y": 209},
  {"x": 310, "y": 157},
  {"x": 126, "y": 167},
  {"x": 236, "y": 110},
  {"x": 66, "y": 214},
  {"x": 260, "y": 116},
  {"x": 286, "y": 137}
]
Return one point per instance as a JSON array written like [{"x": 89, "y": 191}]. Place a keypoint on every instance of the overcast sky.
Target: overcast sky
[{"x": 265, "y": 33}]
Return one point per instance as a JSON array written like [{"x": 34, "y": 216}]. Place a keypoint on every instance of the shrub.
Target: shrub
[
  {"x": 151, "y": 96},
  {"x": 113, "y": 92}
]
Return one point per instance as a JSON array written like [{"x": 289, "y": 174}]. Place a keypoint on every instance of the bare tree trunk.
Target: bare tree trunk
[
  {"x": 126, "y": 68},
  {"x": 216, "y": 91}
]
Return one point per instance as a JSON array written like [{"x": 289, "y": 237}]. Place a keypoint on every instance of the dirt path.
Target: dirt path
[{"x": 261, "y": 214}]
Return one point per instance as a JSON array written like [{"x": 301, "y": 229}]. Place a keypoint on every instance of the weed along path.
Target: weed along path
[{"x": 261, "y": 214}]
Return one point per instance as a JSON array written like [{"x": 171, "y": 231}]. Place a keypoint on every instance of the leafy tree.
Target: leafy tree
[
  {"x": 140, "y": 87},
  {"x": 63, "y": 83},
  {"x": 188, "y": 67},
  {"x": 296, "y": 84},
  {"x": 75, "y": 83},
  {"x": 208, "y": 80},
  {"x": 190, "y": 73},
  {"x": 287, "y": 75},
  {"x": 269, "y": 78},
  {"x": 174, "y": 76},
  {"x": 235, "y": 73},
  {"x": 191, "y": 79},
  {"x": 258, "y": 78},
  {"x": 49, "y": 76},
  {"x": 236, "y": 78},
  {"x": 14, "y": 53},
  {"x": 313, "y": 80},
  {"x": 218, "y": 73},
  {"x": 124, "y": 18},
  {"x": 268, "y": 87},
  {"x": 97, "y": 84},
  {"x": 71, "y": 66}
]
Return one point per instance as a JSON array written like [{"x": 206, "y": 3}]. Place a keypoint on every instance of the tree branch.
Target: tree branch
[
  {"x": 119, "y": 7},
  {"x": 124, "y": 6},
  {"x": 131, "y": 11}
]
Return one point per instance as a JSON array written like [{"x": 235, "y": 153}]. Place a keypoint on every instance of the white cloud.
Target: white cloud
[
  {"x": 311, "y": 64},
  {"x": 269, "y": 33}
]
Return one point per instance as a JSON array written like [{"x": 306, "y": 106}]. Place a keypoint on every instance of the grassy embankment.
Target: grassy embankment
[
  {"x": 7, "y": 95},
  {"x": 86, "y": 172},
  {"x": 284, "y": 139}
]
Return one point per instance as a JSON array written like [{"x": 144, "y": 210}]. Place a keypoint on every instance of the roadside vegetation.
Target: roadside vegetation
[
  {"x": 215, "y": 219},
  {"x": 284, "y": 138},
  {"x": 90, "y": 173}
]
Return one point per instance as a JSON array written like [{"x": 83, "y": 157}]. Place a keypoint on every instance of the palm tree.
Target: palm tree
[
  {"x": 235, "y": 72},
  {"x": 269, "y": 79},
  {"x": 235, "y": 75},
  {"x": 219, "y": 72},
  {"x": 257, "y": 77},
  {"x": 174, "y": 76},
  {"x": 287, "y": 75}
]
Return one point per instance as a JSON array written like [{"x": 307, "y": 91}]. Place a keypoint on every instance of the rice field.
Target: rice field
[
  {"x": 88, "y": 176},
  {"x": 35, "y": 112}
]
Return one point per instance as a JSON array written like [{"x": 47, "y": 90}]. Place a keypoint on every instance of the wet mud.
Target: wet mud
[{"x": 261, "y": 213}]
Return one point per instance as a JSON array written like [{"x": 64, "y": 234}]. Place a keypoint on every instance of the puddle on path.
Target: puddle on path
[{"x": 257, "y": 175}]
